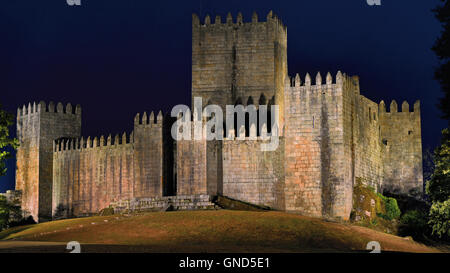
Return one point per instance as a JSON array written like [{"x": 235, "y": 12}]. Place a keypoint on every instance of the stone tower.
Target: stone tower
[
  {"x": 37, "y": 127},
  {"x": 235, "y": 60},
  {"x": 402, "y": 145},
  {"x": 148, "y": 151}
]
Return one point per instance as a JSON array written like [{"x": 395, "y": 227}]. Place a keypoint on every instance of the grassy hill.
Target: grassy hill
[{"x": 204, "y": 231}]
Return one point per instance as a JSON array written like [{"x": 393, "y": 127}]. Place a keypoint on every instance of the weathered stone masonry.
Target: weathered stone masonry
[
  {"x": 330, "y": 135},
  {"x": 37, "y": 128},
  {"x": 88, "y": 175}
]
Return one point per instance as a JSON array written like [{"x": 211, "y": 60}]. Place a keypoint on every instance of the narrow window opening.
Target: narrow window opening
[{"x": 247, "y": 124}]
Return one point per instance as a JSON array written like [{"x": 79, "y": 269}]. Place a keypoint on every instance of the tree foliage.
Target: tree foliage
[
  {"x": 440, "y": 219},
  {"x": 438, "y": 187},
  {"x": 442, "y": 50},
  {"x": 8, "y": 212},
  {"x": 6, "y": 142},
  {"x": 415, "y": 223}
]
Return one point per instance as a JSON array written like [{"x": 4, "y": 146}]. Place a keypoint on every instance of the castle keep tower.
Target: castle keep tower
[
  {"x": 235, "y": 60},
  {"x": 37, "y": 127}
]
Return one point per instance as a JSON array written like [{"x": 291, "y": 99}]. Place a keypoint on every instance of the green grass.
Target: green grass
[{"x": 214, "y": 231}]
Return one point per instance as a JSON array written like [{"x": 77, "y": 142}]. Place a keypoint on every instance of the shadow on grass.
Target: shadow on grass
[{"x": 5, "y": 233}]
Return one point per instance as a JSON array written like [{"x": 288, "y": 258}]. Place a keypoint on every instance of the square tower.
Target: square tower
[
  {"x": 233, "y": 61},
  {"x": 37, "y": 127}
]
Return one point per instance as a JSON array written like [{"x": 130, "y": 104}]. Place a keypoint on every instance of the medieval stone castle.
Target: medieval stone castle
[{"x": 330, "y": 136}]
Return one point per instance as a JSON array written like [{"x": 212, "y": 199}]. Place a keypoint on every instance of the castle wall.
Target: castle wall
[
  {"x": 350, "y": 97},
  {"x": 192, "y": 167},
  {"x": 199, "y": 164},
  {"x": 236, "y": 59},
  {"x": 367, "y": 138},
  {"x": 362, "y": 137},
  {"x": 37, "y": 127},
  {"x": 402, "y": 141},
  {"x": 89, "y": 175},
  {"x": 252, "y": 175},
  {"x": 27, "y": 156},
  {"x": 316, "y": 183},
  {"x": 148, "y": 155}
]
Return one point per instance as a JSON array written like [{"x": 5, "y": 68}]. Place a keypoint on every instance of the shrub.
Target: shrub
[
  {"x": 4, "y": 213},
  {"x": 106, "y": 212},
  {"x": 440, "y": 219},
  {"x": 392, "y": 209},
  {"x": 383, "y": 216},
  {"x": 374, "y": 222},
  {"x": 22, "y": 222},
  {"x": 60, "y": 212},
  {"x": 414, "y": 223},
  {"x": 8, "y": 212}
]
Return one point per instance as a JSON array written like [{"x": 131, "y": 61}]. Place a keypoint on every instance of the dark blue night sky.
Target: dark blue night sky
[{"x": 120, "y": 57}]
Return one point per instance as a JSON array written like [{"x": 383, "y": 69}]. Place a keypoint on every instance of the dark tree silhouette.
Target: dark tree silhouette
[
  {"x": 442, "y": 50},
  {"x": 6, "y": 142}
]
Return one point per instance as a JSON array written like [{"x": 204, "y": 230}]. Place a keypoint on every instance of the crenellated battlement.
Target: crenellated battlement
[
  {"x": 145, "y": 120},
  {"x": 296, "y": 81},
  {"x": 393, "y": 107},
  {"x": 30, "y": 119},
  {"x": 233, "y": 22},
  {"x": 298, "y": 86},
  {"x": 41, "y": 107},
  {"x": 77, "y": 144}
]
